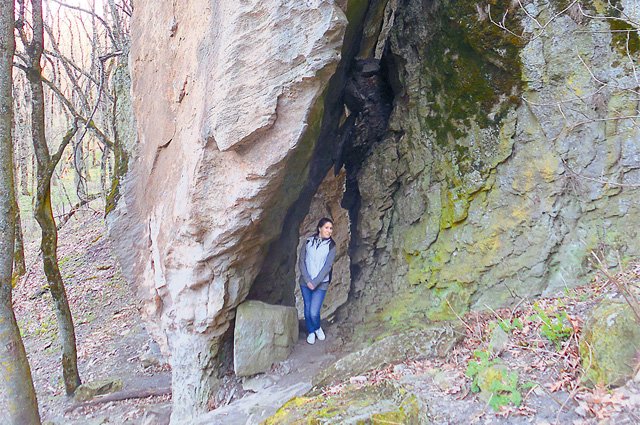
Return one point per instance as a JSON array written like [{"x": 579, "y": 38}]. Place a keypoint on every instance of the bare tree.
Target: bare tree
[
  {"x": 46, "y": 164},
  {"x": 15, "y": 374},
  {"x": 95, "y": 81},
  {"x": 19, "y": 265}
]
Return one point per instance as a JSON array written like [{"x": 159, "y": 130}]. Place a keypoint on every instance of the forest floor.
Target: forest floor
[
  {"x": 532, "y": 352},
  {"x": 111, "y": 338},
  {"x": 113, "y": 344}
]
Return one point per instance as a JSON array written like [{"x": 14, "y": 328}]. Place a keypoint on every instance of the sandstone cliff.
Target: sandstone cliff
[{"x": 226, "y": 96}]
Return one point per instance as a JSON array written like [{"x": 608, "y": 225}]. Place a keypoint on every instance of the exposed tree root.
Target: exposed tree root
[{"x": 121, "y": 395}]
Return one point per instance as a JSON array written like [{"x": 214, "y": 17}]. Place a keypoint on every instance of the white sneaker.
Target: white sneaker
[
  {"x": 320, "y": 334},
  {"x": 311, "y": 339}
]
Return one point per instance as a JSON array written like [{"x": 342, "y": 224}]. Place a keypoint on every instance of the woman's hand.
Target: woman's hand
[{"x": 310, "y": 286}]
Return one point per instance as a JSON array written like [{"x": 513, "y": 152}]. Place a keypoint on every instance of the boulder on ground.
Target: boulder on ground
[
  {"x": 610, "y": 346},
  {"x": 89, "y": 390},
  {"x": 499, "y": 340},
  {"x": 264, "y": 334},
  {"x": 431, "y": 341}
]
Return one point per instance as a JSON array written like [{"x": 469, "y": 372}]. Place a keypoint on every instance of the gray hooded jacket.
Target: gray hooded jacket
[{"x": 316, "y": 261}]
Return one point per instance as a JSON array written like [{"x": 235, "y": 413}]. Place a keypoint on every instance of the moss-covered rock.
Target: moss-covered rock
[
  {"x": 495, "y": 198},
  {"x": 430, "y": 341},
  {"x": 498, "y": 385},
  {"x": 610, "y": 345},
  {"x": 386, "y": 403},
  {"x": 89, "y": 390}
]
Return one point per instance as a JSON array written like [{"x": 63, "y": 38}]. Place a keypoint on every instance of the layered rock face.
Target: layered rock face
[
  {"x": 485, "y": 161},
  {"x": 511, "y": 155},
  {"x": 227, "y": 96}
]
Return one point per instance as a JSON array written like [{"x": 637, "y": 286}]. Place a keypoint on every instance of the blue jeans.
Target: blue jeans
[{"x": 312, "y": 304}]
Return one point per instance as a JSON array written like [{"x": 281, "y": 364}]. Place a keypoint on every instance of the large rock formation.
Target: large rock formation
[
  {"x": 228, "y": 98},
  {"x": 489, "y": 149},
  {"x": 511, "y": 154}
]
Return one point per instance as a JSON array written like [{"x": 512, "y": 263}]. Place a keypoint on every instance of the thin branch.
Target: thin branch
[
  {"x": 529, "y": 15},
  {"x": 55, "y": 158},
  {"x": 99, "y": 18},
  {"x": 69, "y": 62},
  {"x": 501, "y": 24},
  {"x": 72, "y": 110},
  {"x": 589, "y": 70},
  {"x": 63, "y": 219},
  {"x": 622, "y": 287},
  {"x": 460, "y": 318},
  {"x": 626, "y": 17},
  {"x": 603, "y": 182}
]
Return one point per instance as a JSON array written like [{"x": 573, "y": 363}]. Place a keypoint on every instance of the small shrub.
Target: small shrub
[
  {"x": 494, "y": 379},
  {"x": 510, "y": 325},
  {"x": 555, "y": 329}
]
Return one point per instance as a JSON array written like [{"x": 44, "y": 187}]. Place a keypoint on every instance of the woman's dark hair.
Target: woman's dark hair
[
  {"x": 316, "y": 235},
  {"x": 322, "y": 222}
]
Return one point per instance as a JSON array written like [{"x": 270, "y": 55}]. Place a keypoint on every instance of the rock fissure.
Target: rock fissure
[{"x": 280, "y": 262}]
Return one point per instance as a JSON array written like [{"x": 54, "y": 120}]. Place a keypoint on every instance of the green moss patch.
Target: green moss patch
[
  {"x": 385, "y": 403},
  {"x": 471, "y": 69},
  {"x": 610, "y": 345},
  {"x": 624, "y": 37}
]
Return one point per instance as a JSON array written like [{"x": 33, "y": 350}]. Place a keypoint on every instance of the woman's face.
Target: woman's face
[{"x": 326, "y": 230}]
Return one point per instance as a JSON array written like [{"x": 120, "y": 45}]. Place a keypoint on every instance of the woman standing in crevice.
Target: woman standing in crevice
[{"x": 315, "y": 263}]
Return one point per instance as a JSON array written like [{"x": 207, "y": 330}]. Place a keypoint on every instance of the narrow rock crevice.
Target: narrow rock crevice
[
  {"x": 369, "y": 101},
  {"x": 356, "y": 119},
  {"x": 275, "y": 282}
]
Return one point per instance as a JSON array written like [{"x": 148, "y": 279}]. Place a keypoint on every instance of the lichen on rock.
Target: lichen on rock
[
  {"x": 610, "y": 344},
  {"x": 376, "y": 404},
  {"x": 509, "y": 167}
]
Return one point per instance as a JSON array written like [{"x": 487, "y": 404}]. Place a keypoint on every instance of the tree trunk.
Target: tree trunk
[
  {"x": 19, "y": 265},
  {"x": 16, "y": 385},
  {"x": 21, "y": 100},
  {"x": 104, "y": 172},
  {"x": 80, "y": 174},
  {"x": 33, "y": 176},
  {"x": 49, "y": 247},
  {"x": 43, "y": 213},
  {"x": 23, "y": 163}
]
